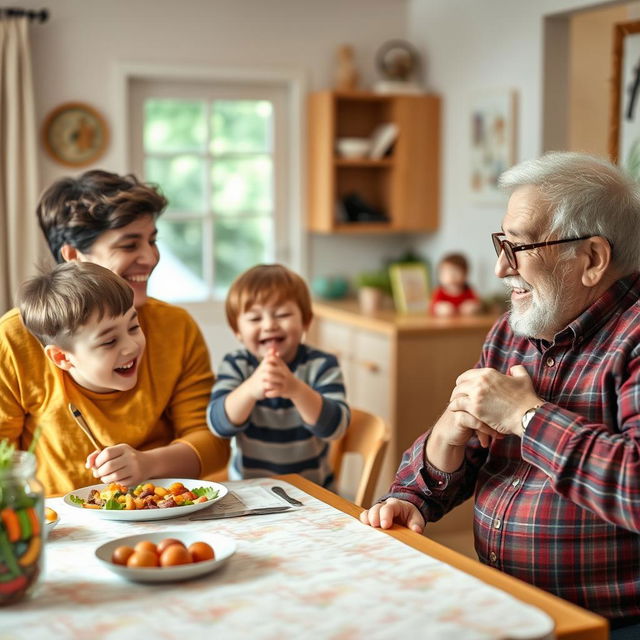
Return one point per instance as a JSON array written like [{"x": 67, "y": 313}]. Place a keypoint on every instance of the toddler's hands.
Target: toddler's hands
[
  {"x": 279, "y": 381},
  {"x": 120, "y": 463}
]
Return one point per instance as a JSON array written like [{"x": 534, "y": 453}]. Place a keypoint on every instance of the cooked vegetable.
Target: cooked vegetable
[
  {"x": 32, "y": 552},
  {"x": 144, "y": 496},
  {"x": 11, "y": 523}
]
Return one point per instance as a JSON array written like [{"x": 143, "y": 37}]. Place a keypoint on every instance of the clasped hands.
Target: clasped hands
[
  {"x": 272, "y": 378},
  {"x": 491, "y": 403},
  {"x": 485, "y": 402}
]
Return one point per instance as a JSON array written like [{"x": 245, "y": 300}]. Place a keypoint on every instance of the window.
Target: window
[{"x": 219, "y": 153}]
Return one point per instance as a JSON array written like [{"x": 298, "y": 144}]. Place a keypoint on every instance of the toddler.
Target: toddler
[{"x": 281, "y": 400}]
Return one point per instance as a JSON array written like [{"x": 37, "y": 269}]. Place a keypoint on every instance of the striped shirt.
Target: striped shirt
[
  {"x": 275, "y": 439},
  {"x": 560, "y": 508}
]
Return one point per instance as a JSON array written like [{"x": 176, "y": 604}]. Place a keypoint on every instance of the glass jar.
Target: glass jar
[{"x": 22, "y": 528}]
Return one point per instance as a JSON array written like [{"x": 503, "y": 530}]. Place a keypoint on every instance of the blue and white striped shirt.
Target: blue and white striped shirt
[{"x": 275, "y": 440}]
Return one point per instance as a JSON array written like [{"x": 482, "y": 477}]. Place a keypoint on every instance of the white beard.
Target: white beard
[{"x": 539, "y": 316}]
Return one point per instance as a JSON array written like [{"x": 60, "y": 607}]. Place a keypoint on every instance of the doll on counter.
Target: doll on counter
[{"x": 453, "y": 295}]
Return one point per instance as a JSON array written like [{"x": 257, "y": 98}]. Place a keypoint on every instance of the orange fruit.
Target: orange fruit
[
  {"x": 142, "y": 558},
  {"x": 121, "y": 555},
  {"x": 49, "y": 514},
  {"x": 201, "y": 551},
  {"x": 175, "y": 554},
  {"x": 146, "y": 545},
  {"x": 167, "y": 542}
]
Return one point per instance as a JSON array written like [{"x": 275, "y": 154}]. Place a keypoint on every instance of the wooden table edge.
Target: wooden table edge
[{"x": 571, "y": 622}]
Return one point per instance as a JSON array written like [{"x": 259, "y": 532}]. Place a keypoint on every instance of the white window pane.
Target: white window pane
[
  {"x": 238, "y": 245},
  {"x": 241, "y": 126},
  {"x": 179, "y": 274},
  {"x": 174, "y": 125},
  {"x": 181, "y": 179},
  {"x": 242, "y": 185}
]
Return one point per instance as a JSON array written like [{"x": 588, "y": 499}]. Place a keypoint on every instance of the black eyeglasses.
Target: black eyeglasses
[{"x": 510, "y": 249}]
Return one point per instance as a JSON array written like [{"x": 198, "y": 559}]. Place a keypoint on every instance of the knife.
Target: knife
[
  {"x": 279, "y": 491},
  {"x": 236, "y": 514}
]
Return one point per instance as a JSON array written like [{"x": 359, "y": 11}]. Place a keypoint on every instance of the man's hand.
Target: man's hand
[
  {"x": 497, "y": 400},
  {"x": 120, "y": 463},
  {"x": 384, "y": 514}
]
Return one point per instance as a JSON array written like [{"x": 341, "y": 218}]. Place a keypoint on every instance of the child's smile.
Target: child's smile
[
  {"x": 106, "y": 353},
  {"x": 272, "y": 326}
]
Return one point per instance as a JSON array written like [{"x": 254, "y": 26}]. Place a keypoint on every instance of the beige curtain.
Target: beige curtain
[{"x": 20, "y": 237}]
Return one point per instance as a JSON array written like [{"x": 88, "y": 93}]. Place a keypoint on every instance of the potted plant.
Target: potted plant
[{"x": 372, "y": 286}]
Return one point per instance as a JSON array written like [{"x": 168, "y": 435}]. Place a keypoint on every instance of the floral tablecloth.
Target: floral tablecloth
[{"x": 314, "y": 572}]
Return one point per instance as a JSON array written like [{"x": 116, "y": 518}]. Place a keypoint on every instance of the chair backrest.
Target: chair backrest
[{"x": 368, "y": 436}]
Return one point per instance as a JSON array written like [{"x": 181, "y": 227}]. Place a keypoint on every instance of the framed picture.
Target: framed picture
[
  {"x": 492, "y": 138},
  {"x": 624, "y": 129},
  {"x": 410, "y": 287}
]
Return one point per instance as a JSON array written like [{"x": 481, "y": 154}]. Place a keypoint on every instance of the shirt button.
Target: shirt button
[
  {"x": 516, "y": 482},
  {"x": 497, "y": 523},
  {"x": 550, "y": 362},
  {"x": 493, "y": 557}
]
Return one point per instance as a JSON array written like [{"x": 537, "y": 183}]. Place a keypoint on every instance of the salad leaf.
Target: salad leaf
[
  {"x": 208, "y": 492},
  {"x": 76, "y": 499},
  {"x": 113, "y": 505}
]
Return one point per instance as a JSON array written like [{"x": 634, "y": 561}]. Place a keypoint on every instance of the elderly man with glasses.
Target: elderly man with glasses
[{"x": 546, "y": 429}]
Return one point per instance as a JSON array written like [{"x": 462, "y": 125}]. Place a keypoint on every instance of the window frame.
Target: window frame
[{"x": 290, "y": 239}]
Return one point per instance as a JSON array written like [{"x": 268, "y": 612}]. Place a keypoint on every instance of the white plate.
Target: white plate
[
  {"x": 223, "y": 548},
  {"x": 52, "y": 523},
  {"x": 148, "y": 514}
]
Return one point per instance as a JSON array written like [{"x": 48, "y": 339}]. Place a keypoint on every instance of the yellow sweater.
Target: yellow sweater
[{"x": 168, "y": 403}]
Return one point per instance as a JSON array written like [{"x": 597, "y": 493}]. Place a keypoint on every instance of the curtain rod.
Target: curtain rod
[{"x": 15, "y": 12}]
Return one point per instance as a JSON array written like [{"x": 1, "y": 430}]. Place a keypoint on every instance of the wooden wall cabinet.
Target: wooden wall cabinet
[{"x": 403, "y": 184}]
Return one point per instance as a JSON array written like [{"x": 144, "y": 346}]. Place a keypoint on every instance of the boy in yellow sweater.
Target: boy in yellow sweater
[{"x": 84, "y": 318}]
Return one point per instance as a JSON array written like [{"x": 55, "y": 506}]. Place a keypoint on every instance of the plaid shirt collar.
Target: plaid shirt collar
[{"x": 617, "y": 298}]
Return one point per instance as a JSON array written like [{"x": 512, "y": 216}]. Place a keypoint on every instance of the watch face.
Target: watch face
[{"x": 75, "y": 134}]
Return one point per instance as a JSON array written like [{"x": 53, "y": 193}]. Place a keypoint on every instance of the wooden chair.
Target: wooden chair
[{"x": 368, "y": 436}]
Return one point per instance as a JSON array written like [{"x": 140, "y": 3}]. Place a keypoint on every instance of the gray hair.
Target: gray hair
[{"x": 587, "y": 195}]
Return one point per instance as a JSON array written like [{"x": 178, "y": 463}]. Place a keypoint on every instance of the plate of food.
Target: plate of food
[
  {"x": 166, "y": 556},
  {"x": 158, "y": 499}
]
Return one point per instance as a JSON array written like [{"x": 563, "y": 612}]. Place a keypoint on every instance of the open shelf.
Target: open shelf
[{"x": 404, "y": 185}]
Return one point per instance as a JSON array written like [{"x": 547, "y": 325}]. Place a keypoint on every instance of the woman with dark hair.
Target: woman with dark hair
[{"x": 159, "y": 428}]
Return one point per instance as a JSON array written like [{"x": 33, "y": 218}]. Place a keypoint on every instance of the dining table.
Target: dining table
[{"x": 312, "y": 570}]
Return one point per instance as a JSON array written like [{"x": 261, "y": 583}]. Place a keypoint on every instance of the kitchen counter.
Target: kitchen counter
[{"x": 389, "y": 322}]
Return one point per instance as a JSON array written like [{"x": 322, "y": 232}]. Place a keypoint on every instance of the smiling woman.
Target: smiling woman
[{"x": 155, "y": 427}]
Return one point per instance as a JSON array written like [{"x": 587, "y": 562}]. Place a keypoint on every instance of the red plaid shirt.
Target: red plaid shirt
[{"x": 559, "y": 508}]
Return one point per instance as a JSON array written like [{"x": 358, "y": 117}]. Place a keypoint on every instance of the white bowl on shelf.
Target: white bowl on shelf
[{"x": 353, "y": 148}]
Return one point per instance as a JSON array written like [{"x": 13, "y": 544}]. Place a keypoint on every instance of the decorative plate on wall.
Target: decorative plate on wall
[{"x": 75, "y": 134}]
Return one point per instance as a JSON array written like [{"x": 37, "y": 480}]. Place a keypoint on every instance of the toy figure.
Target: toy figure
[{"x": 453, "y": 295}]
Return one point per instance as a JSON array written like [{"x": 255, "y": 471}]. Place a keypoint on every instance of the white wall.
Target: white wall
[
  {"x": 468, "y": 44},
  {"x": 76, "y": 54},
  {"x": 473, "y": 46}
]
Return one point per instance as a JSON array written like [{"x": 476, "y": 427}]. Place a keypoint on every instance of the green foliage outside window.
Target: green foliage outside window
[{"x": 234, "y": 167}]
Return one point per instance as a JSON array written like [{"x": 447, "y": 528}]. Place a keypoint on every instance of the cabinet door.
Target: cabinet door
[
  {"x": 337, "y": 339},
  {"x": 372, "y": 385}
]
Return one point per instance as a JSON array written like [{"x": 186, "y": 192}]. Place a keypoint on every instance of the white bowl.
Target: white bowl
[
  {"x": 353, "y": 147},
  {"x": 222, "y": 546}
]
